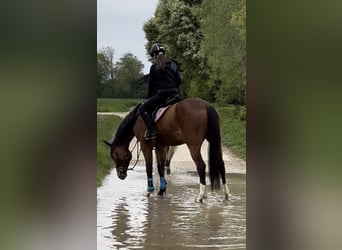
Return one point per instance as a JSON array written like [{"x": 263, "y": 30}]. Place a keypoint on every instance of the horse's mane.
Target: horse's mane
[{"x": 126, "y": 127}]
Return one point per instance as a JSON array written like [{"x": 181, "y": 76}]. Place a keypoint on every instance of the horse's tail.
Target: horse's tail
[{"x": 215, "y": 151}]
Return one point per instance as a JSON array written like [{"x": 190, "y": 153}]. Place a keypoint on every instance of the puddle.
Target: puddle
[{"x": 126, "y": 219}]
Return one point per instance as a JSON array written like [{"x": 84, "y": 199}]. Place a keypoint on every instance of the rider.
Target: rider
[{"x": 163, "y": 83}]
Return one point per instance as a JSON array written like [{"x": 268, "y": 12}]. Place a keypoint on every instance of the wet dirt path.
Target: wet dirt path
[{"x": 129, "y": 220}]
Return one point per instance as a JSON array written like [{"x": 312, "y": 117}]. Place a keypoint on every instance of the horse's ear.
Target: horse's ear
[{"x": 107, "y": 143}]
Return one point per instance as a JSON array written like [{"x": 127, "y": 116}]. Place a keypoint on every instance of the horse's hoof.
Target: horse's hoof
[
  {"x": 161, "y": 192},
  {"x": 226, "y": 198},
  {"x": 149, "y": 194},
  {"x": 199, "y": 200},
  {"x": 168, "y": 171}
]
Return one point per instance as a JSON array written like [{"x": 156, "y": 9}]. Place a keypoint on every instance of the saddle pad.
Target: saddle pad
[{"x": 160, "y": 113}]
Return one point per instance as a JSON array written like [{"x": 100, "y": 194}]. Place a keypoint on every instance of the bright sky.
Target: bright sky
[{"x": 120, "y": 26}]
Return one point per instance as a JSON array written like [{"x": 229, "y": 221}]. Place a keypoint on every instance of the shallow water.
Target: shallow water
[{"x": 126, "y": 219}]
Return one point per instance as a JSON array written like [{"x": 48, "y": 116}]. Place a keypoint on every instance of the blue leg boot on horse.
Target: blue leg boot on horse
[{"x": 163, "y": 185}]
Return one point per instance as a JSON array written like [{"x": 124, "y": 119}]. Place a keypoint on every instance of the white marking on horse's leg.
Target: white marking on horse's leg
[
  {"x": 225, "y": 188},
  {"x": 202, "y": 193},
  {"x": 148, "y": 194},
  {"x": 202, "y": 190}
]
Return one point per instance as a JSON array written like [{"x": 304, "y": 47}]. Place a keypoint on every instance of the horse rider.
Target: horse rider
[{"x": 163, "y": 83}]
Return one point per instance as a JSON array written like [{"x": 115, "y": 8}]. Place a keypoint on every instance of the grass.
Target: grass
[
  {"x": 106, "y": 126},
  {"x": 116, "y": 105},
  {"x": 233, "y": 126}
]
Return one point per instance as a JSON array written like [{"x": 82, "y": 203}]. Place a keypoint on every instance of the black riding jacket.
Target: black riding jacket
[{"x": 167, "y": 79}]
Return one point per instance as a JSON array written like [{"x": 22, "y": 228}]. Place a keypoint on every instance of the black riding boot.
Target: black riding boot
[{"x": 151, "y": 132}]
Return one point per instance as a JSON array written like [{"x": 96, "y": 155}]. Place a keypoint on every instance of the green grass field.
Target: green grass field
[
  {"x": 116, "y": 105},
  {"x": 106, "y": 126},
  {"x": 233, "y": 126}
]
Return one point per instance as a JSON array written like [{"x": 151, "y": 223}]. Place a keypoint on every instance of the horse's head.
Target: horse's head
[{"x": 121, "y": 157}]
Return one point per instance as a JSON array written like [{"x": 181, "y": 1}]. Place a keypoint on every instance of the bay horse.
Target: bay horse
[{"x": 189, "y": 121}]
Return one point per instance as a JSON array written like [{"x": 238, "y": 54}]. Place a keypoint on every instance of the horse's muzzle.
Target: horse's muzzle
[{"x": 122, "y": 175}]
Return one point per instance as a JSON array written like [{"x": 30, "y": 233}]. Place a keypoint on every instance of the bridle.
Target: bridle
[{"x": 138, "y": 154}]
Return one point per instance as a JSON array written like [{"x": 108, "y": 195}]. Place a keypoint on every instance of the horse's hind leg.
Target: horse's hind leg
[
  {"x": 195, "y": 152},
  {"x": 161, "y": 155},
  {"x": 167, "y": 166},
  {"x": 222, "y": 171},
  {"x": 168, "y": 159},
  {"x": 170, "y": 150}
]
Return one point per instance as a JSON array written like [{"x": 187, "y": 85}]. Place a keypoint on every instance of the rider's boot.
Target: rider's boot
[{"x": 150, "y": 133}]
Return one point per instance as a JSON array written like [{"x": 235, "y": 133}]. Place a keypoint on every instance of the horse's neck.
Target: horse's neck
[
  {"x": 124, "y": 142},
  {"x": 128, "y": 140}
]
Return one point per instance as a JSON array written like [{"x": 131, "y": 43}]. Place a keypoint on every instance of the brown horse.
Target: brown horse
[{"x": 189, "y": 121}]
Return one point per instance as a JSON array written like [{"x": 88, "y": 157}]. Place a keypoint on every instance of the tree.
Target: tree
[
  {"x": 208, "y": 39},
  {"x": 105, "y": 71},
  {"x": 176, "y": 25},
  {"x": 224, "y": 45},
  {"x": 108, "y": 53},
  {"x": 139, "y": 87},
  {"x": 121, "y": 79},
  {"x": 127, "y": 71}
]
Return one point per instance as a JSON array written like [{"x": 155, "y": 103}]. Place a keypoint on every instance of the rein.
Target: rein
[{"x": 138, "y": 154}]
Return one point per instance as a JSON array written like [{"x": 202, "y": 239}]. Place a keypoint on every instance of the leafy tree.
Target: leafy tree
[
  {"x": 208, "y": 40},
  {"x": 108, "y": 53},
  {"x": 105, "y": 71},
  {"x": 121, "y": 79},
  {"x": 139, "y": 87},
  {"x": 127, "y": 71},
  {"x": 224, "y": 43},
  {"x": 176, "y": 25}
]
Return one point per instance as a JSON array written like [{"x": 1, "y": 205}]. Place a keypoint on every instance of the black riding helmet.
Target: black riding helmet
[{"x": 156, "y": 49}]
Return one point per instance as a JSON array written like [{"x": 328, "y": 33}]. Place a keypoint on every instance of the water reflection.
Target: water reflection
[
  {"x": 120, "y": 225},
  {"x": 128, "y": 220}
]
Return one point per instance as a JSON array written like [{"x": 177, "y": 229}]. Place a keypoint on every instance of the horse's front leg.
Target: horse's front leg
[
  {"x": 161, "y": 155},
  {"x": 149, "y": 170},
  {"x": 150, "y": 187}
]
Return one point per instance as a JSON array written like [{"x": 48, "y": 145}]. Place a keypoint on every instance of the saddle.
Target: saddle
[{"x": 160, "y": 110}]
